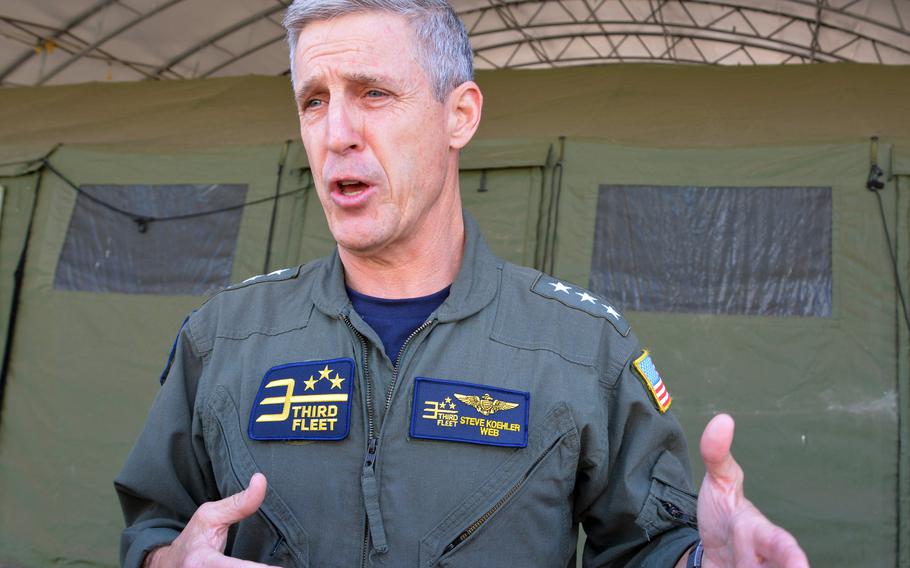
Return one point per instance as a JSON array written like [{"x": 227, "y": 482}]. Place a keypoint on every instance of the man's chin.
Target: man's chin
[{"x": 360, "y": 245}]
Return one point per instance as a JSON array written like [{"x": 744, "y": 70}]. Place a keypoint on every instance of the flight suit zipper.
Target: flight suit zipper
[
  {"x": 374, "y": 527},
  {"x": 372, "y": 442},
  {"x": 398, "y": 360},
  {"x": 480, "y": 521},
  {"x": 367, "y": 378}
]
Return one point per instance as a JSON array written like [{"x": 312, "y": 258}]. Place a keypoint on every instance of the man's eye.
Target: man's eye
[
  {"x": 375, "y": 94},
  {"x": 312, "y": 103}
]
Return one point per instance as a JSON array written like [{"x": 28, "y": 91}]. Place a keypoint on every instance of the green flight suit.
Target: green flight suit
[{"x": 598, "y": 451}]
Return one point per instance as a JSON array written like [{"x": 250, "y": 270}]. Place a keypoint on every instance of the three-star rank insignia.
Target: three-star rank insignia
[
  {"x": 276, "y": 276},
  {"x": 648, "y": 373},
  {"x": 304, "y": 401},
  {"x": 465, "y": 412},
  {"x": 580, "y": 299}
]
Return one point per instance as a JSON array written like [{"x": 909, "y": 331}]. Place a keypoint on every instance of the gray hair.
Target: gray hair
[{"x": 442, "y": 42}]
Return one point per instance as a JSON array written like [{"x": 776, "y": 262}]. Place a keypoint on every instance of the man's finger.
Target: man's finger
[
  {"x": 779, "y": 546},
  {"x": 715, "y": 449},
  {"x": 238, "y": 506}
]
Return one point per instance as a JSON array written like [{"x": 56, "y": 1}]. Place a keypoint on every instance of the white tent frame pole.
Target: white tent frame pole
[
  {"x": 26, "y": 55},
  {"x": 261, "y": 15},
  {"x": 89, "y": 48}
]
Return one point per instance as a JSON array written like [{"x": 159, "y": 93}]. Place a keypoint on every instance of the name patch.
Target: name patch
[
  {"x": 466, "y": 412},
  {"x": 304, "y": 401}
]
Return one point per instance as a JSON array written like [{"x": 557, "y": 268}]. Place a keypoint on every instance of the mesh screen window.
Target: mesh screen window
[
  {"x": 715, "y": 250},
  {"x": 105, "y": 251}
]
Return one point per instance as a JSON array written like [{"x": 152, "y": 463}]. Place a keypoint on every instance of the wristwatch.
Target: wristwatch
[{"x": 695, "y": 556}]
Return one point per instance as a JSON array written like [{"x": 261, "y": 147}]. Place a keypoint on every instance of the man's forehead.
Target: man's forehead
[
  {"x": 353, "y": 49},
  {"x": 366, "y": 31}
]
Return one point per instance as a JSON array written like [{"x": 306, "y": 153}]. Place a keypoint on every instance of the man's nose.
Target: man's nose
[{"x": 344, "y": 127}]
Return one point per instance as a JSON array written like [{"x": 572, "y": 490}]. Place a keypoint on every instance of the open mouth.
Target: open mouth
[
  {"x": 351, "y": 188},
  {"x": 350, "y": 191}
]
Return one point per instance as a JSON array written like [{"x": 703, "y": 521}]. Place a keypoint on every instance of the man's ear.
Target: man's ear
[{"x": 465, "y": 103}]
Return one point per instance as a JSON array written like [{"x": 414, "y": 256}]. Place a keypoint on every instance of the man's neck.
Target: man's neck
[{"x": 419, "y": 267}]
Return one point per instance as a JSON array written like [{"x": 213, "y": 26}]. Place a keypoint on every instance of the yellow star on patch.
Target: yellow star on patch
[
  {"x": 336, "y": 382},
  {"x": 310, "y": 384},
  {"x": 324, "y": 374}
]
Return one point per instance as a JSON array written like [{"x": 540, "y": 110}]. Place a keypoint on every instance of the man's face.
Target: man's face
[{"x": 376, "y": 138}]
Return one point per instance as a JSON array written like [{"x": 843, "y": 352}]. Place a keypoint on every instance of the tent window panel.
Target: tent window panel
[
  {"x": 759, "y": 251},
  {"x": 105, "y": 251}
]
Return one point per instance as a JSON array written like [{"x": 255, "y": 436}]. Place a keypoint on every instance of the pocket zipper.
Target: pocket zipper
[
  {"x": 265, "y": 515},
  {"x": 681, "y": 516},
  {"x": 502, "y": 501}
]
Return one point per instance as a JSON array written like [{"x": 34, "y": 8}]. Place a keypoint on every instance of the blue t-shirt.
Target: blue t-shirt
[{"x": 395, "y": 320}]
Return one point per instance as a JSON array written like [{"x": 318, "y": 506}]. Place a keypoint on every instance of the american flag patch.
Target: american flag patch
[{"x": 651, "y": 377}]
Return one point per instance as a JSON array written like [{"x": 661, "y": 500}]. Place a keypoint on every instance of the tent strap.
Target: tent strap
[
  {"x": 268, "y": 246},
  {"x": 18, "y": 277}
]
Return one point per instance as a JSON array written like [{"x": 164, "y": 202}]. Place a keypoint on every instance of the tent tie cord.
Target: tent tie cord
[
  {"x": 875, "y": 185},
  {"x": 143, "y": 221},
  {"x": 29, "y": 170}
]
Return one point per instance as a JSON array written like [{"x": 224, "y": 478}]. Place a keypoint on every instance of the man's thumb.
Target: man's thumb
[
  {"x": 715, "y": 449},
  {"x": 240, "y": 505}
]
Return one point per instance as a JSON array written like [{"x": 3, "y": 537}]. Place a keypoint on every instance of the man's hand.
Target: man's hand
[
  {"x": 201, "y": 543},
  {"x": 733, "y": 531}
]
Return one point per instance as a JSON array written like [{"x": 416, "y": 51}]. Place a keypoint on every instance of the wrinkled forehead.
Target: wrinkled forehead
[
  {"x": 364, "y": 48},
  {"x": 369, "y": 32}
]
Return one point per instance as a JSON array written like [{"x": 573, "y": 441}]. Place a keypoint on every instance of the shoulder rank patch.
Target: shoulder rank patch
[
  {"x": 648, "y": 373},
  {"x": 173, "y": 352},
  {"x": 304, "y": 401},
  {"x": 276, "y": 276},
  {"x": 465, "y": 412},
  {"x": 580, "y": 299}
]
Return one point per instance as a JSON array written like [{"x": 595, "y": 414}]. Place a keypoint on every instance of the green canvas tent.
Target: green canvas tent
[{"x": 724, "y": 210}]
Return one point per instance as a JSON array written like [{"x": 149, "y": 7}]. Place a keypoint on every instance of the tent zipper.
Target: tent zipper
[{"x": 473, "y": 527}]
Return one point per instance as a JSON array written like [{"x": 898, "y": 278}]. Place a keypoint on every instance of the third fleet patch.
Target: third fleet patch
[
  {"x": 304, "y": 401},
  {"x": 466, "y": 412}
]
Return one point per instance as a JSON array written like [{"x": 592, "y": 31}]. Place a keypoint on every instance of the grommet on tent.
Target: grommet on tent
[
  {"x": 142, "y": 223},
  {"x": 873, "y": 181}
]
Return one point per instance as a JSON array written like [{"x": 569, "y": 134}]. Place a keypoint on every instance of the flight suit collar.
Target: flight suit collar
[
  {"x": 478, "y": 279},
  {"x": 473, "y": 289}
]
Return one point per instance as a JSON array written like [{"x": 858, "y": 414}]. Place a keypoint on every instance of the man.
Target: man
[{"x": 413, "y": 400}]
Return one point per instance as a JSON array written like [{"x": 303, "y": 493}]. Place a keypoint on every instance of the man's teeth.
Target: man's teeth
[{"x": 351, "y": 187}]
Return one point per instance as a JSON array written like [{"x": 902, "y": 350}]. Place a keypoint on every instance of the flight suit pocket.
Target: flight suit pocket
[
  {"x": 667, "y": 506},
  {"x": 233, "y": 466},
  {"x": 529, "y": 495}
]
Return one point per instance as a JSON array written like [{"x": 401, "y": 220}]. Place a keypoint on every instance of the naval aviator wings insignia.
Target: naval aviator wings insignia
[{"x": 485, "y": 404}]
